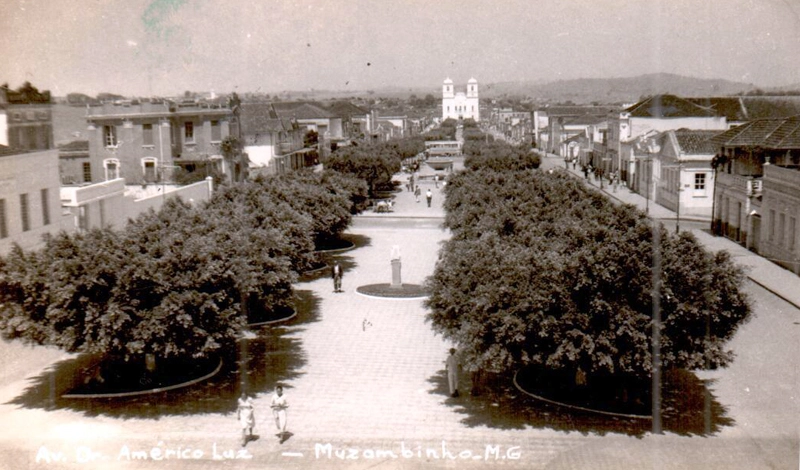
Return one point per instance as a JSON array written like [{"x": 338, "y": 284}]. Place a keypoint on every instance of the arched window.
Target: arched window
[{"x": 111, "y": 167}]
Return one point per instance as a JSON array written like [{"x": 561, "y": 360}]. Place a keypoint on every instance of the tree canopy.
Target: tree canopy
[
  {"x": 376, "y": 163},
  {"x": 178, "y": 282},
  {"x": 541, "y": 271}
]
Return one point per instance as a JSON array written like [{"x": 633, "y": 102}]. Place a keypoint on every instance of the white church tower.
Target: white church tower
[{"x": 460, "y": 105}]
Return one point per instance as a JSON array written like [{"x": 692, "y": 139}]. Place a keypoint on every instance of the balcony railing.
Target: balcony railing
[{"x": 747, "y": 185}]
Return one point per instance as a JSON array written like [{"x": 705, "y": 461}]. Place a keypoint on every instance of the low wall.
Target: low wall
[{"x": 197, "y": 192}]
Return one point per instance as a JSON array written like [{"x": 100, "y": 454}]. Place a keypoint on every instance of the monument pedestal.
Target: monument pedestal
[{"x": 396, "y": 280}]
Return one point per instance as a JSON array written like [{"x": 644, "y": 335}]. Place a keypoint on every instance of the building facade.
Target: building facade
[
  {"x": 757, "y": 191},
  {"x": 26, "y": 118},
  {"x": 30, "y": 204},
  {"x": 147, "y": 142},
  {"x": 460, "y": 105},
  {"x": 683, "y": 179},
  {"x": 655, "y": 114}
]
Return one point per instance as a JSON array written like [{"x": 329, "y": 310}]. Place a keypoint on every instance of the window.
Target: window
[
  {"x": 699, "y": 181},
  {"x": 23, "y": 209},
  {"x": 87, "y": 172},
  {"x": 45, "y": 206},
  {"x": 112, "y": 168},
  {"x": 147, "y": 134},
  {"x": 216, "y": 131},
  {"x": 110, "y": 136},
  {"x": 188, "y": 131},
  {"x": 149, "y": 169},
  {"x": 792, "y": 232},
  {"x": 781, "y": 228},
  {"x": 83, "y": 218},
  {"x": 3, "y": 226},
  {"x": 771, "y": 225}
]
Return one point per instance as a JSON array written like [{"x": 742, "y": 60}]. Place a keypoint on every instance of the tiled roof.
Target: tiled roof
[
  {"x": 668, "y": 106},
  {"x": 552, "y": 111},
  {"x": 696, "y": 142},
  {"x": 261, "y": 117},
  {"x": 745, "y": 108},
  {"x": 767, "y": 133},
  {"x": 764, "y": 107},
  {"x": 301, "y": 110},
  {"x": 732, "y": 107},
  {"x": 345, "y": 109}
]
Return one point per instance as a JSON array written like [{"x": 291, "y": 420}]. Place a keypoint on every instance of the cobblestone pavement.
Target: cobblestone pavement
[{"x": 368, "y": 390}]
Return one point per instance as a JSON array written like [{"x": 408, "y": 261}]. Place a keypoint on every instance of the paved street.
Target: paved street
[{"x": 367, "y": 389}]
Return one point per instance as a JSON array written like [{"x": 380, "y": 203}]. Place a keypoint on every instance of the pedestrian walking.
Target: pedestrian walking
[
  {"x": 417, "y": 193},
  {"x": 336, "y": 273},
  {"x": 452, "y": 372},
  {"x": 436, "y": 181},
  {"x": 245, "y": 413},
  {"x": 574, "y": 162},
  {"x": 429, "y": 196},
  {"x": 279, "y": 406},
  {"x": 585, "y": 170}
]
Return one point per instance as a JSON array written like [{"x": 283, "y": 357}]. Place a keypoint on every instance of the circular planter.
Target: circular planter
[
  {"x": 337, "y": 246},
  {"x": 539, "y": 396},
  {"x": 315, "y": 271},
  {"x": 387, "y": 291},
  {"x": 146, "y": 391},
  {"x": 279, "y": 317}
]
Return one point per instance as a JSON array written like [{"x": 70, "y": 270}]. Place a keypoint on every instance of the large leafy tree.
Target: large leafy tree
[
  {"x": 309, "y": 192},
  {"x": 541, "y": 271},
  {"x": 374, "y": 164},
  {"x": 176, "y": 283}
]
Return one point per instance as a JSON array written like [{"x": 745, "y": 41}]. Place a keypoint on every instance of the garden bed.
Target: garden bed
[
  {"x": 112, "y": 379},
  {"x": 616, "y": 396},
  {"x": 334, "y": 245},
  {"x": 265, "y": 316},
  {"x": 386, "y": 290}
]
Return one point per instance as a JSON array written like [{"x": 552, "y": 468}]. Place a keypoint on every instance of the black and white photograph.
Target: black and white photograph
[{"x": 354, "y": 234}]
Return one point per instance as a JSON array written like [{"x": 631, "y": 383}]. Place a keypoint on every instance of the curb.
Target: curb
[{"x": 145, "y": 392}]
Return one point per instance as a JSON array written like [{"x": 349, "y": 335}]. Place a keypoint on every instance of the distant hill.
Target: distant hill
[
  {"x": 578, "y": 91},
  {"x": 616, "y": 90}
]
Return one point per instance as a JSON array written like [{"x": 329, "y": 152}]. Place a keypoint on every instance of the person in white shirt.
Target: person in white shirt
[
  {"x": 279, "y": 406},
  {"x": 247, "y": 418},
  {"x": 452, "y": 372}
]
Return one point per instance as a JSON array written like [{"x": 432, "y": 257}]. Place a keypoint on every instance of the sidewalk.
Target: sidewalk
[{"x": 763, "y": 272}]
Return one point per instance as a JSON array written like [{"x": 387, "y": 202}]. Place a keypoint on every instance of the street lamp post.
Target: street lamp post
[
  {"x": 678, "y": 205},
  {"x": 647, "y": 192}
]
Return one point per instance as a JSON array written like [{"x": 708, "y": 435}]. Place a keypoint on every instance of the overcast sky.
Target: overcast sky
[{"x": 161, "y": 47}]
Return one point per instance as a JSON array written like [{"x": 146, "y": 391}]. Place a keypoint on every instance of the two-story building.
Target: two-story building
[
  {"x": 273, "y": 144},
  {"x": 655, "y": 114},
  {"x": 757, "y": 192},
  {"x": 147, "y": 141}
]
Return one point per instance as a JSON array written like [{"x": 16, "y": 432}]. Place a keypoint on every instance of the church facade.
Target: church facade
[{"x": 460, "y": 105}]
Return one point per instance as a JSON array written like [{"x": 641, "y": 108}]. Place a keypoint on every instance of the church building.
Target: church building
[{"x": 460, "y": 105}]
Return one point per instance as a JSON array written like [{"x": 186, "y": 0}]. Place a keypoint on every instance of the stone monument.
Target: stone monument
[{"x": 396, "y": 280}]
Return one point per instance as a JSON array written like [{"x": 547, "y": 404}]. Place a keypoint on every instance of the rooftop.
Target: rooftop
[
  {"x": 668, "y": 106},
  {"x": 779, "y": 134}
]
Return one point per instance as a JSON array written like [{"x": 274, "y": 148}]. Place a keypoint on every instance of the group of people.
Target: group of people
[{"x": 247, "y": 417}]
